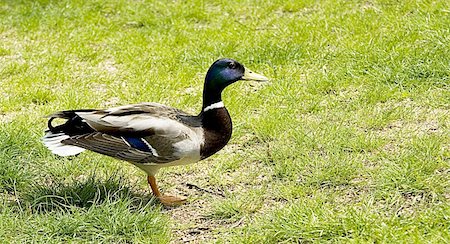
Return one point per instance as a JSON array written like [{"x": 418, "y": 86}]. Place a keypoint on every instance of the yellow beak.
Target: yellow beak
[{"x": 250, "y": 75}]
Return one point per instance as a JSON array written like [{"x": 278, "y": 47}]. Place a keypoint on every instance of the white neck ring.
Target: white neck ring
[{"x": 214, "y": 106}]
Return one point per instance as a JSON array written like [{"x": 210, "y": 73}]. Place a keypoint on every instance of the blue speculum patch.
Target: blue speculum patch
[{"x": 138, "y": 143}]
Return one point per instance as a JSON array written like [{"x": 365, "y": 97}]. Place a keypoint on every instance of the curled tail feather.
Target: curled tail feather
[{"x": 56, "y": 135}]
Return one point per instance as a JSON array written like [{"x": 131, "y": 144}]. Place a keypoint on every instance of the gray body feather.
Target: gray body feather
[{"x": 167, "y": 135}]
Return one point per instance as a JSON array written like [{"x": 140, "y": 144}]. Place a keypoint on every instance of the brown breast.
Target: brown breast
[{"x": 217, "y": 127}]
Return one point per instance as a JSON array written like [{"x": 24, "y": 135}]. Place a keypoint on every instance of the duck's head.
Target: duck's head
[{"x": 225, "y": 71}]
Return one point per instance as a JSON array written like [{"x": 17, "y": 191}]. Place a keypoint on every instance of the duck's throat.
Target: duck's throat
[{"x": 217, "y": 129}]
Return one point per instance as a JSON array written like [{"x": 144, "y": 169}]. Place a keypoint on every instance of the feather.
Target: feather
[
  {"x": 54, "y": 143},
  {"x": 144, "y": 118},
  {"x": 119, "y": 148},
  {"x": 140, "y": 144}
]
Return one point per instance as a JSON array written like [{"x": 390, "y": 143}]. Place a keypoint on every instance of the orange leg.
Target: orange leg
[
  {"x": 165, "y": 200},
  {"x": 152, "y": 182}
]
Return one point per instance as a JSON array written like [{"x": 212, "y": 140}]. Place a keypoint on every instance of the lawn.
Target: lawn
[{"x": 349, "y": 142}]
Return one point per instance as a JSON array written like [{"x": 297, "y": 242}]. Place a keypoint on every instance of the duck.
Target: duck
[{"x": 150, "y": 135}]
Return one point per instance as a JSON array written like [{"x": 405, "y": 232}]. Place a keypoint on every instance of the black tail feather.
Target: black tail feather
[{"x": 74, "y": 124}]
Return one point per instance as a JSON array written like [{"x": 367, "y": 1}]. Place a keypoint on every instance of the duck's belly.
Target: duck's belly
[{"x": 152, "y": 169}]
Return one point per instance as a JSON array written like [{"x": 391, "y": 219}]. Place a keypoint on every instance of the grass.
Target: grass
[{"x": 348, "y": 143}]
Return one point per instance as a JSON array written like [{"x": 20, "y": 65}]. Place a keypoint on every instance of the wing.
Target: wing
[
  {"x": 143, "y": 119},
  {"x": 132, "y": 149},
  {"x": 141, "y": 133}
]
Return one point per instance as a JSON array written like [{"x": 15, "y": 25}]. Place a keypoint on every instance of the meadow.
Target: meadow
[{"x": 349, "y": 142}]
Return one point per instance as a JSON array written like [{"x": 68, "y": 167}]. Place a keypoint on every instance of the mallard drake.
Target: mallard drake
[{"x": 152, "y": 135}]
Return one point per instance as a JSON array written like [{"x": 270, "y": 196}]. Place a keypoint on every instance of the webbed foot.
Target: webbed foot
[{"x": 171, "y": 201}]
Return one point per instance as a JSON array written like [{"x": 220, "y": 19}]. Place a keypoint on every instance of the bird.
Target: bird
[{"x": 151, "y": 135}]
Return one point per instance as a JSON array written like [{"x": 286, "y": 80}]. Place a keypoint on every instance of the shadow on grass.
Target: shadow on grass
[{"x": 86, "y": 193}]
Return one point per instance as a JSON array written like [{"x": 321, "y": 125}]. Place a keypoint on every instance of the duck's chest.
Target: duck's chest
[{"x": 217, "y": 129}]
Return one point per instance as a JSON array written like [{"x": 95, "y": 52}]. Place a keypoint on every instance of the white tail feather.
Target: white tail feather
[{"x": 53, "y": 143}]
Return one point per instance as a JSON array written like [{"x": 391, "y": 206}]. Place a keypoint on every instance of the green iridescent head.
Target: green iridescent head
[{"x": 223, "y": 73}]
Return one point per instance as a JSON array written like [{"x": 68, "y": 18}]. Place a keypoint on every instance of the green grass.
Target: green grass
[{"x": 350, "y": 142}]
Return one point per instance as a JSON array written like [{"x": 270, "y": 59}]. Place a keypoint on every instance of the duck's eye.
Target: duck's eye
[{"x": 232, "y": 65}]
